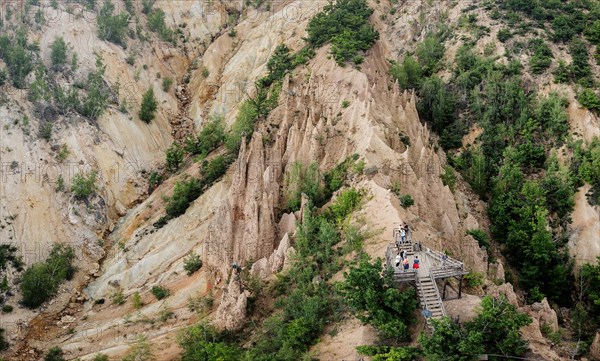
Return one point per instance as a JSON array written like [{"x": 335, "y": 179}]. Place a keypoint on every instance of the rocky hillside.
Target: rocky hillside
[{"x": 220, "y": 172}]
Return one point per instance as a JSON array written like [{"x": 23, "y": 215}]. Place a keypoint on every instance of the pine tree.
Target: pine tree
[
  {"x": 148, "y": 107},
  {"x": 58, "y": 52}
]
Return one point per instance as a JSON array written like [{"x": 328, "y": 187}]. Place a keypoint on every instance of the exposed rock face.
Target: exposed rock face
[
  {"x": 245, "y": 226},
  {"x": 231, "y": 314},
  {"x": 595, "y": 348},
  {"x": 543, "y": 313},
  {"x": 584, "y": 242},
  {"x": 278, "y": 258},
  {"x": 498, "y": 274},
  {"x": 506, "y": 290},
  {"x": 538, "y": 344}
]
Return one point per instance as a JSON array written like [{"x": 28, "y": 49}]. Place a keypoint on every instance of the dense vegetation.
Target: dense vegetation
[
  {"x": 345, "y": 24},
  {"x": 112, "y": 27},
  {"x": 18, "y": 56},
  {"x": 519, "y": 130},
  {"x": 317, "y": 186},
  {"x": 378, "y": 301},
  {"x": 495, "y": 330},
  {"x": 514, "y": 163},
  {"x": 41, "y": 280},
  {"x": 8, "y": 257},
  {"x": 306, "y": 301}
]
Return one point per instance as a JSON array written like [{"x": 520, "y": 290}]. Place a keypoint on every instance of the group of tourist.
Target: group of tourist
[
  {"x": 401, "y": 257},
  {"x": 405, "y": 235}
]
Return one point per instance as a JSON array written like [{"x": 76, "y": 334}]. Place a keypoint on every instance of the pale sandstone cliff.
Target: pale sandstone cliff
[{"x": 239, "y": 219}]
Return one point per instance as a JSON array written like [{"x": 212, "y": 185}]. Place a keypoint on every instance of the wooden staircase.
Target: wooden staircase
[{"x": 429, "y": 296}]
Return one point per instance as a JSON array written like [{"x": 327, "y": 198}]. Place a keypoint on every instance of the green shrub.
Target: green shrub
[
  {"x": 192, "y": 263},
  {"x": 154, "y": 180},
  {"x": 39, "y": 88},
  {"x": 299, "y": 180},
  {"x": 160, "y": 292},
  {"x": 200, "y": 304},
  {"x": 140, "y": 351},
  {"x": 473, "y": 279},
  {"x": 495, "y": 330},
  {"x": 559, "y": 190},
  {"x": 563, "y": 28},
  {"x": 18, "y": 58},
  {"x": 345, "y": 103},
  {"x": 7, "y": 309},
  {"x": 430, "y": 52},
  {"x": 481, "y": 237},
  {"x": 60, "y": 184},
  {"x": 82, "y": 186},
  {"x": 136, "y": 301},
  {"x": 54, "y": 354},
  {"x": 118, "y": 298},
  {"x": 345, "y": 203},
  {"x": 3, "y": 76},
  {"x": 148, "y": 107},
  {"x": 58, "y": 52},
  {"x": 541, "y": 56},
  {"x": 213, "y": 170},
  {"x": 3, "y": 343},
  {"x": 147, "y": 6},
  {"x": 46, "y": 131},
  {"x": 449, "y": 177},
  {"x": 8, "y": 256},
  {"x": 504, "y": 34},
  {"x": 561, "y": 73},
  {"x": 210, "y": 137},
  {"x": 438, "y": 106},
  {"x": 63, "y": 153},
  {"x": 41, "y": 280},
  {"x": 95, "y": 102},
  {"x": 346, "y": 25},
  {"x": 406, "y": 201},
  {"x": 100, "y": 356},
  {"x": 204, "y": 342},
  {"x": 374, "y": 299},
  {"x": 183, "y": 194},
  {"x": 278, "y": 65},
  {"x": 156, "y": 24},
  {"x": 4, "y": 287},
  {"x": 408, "y": 73},
  {"x": 580, "y": 69},
  {"x": 174, "y": 157},
  {"x": 551, "y": 113},
  {"x": 166, "y": 84},
  {"x": 243, "y": 126},
  {"x": 74, "y": 62},
  {"x": 164, "y": 314},
  {"x": 111, "y": 27},
  {"x": 589, "y": 99},
  {"x": 386, "y": 353}
]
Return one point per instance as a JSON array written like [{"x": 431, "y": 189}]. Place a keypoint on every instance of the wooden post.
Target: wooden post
[
  {"x": 444, "y": 292},
  {"x": 460, "y": 287}
]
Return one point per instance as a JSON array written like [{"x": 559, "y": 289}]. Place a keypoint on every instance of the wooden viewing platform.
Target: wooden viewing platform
[{"x": 433, "y": 266}]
